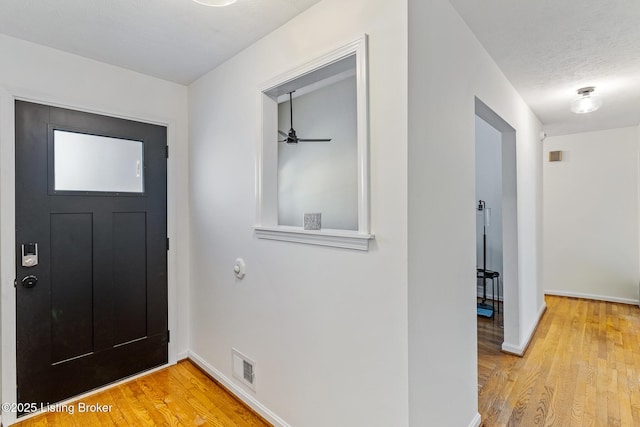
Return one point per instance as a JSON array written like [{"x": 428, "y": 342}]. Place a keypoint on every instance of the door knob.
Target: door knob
[{"x": 29, "y": 281}]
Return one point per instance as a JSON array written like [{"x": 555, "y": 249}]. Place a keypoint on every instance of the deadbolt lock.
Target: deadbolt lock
[{"x": 29, "y": 281}]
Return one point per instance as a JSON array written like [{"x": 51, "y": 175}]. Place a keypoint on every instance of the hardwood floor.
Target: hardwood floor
[
  {"x": 582, "y": 368},
  {"x": 179, "y": 395}
]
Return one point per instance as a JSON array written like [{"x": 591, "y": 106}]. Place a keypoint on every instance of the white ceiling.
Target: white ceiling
[
  {"x": 176, "y": 40},
  {"x": 546, "y": 48},
  {"x": 550, "y": 48}
]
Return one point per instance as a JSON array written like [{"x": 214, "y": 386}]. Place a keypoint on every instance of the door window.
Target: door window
[{"x": 93, "y": 163}]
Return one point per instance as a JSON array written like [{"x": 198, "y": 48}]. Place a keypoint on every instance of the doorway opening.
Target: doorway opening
[{"x": 496, "y": 230}]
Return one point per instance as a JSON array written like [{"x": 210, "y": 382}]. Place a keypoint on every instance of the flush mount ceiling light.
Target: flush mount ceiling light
[
  {"x": 586, "y": 102},
  {"x": 215, "y": 3}
]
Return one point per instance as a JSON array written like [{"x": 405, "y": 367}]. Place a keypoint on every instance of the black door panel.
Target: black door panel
[{"x": 98, "y": 312}]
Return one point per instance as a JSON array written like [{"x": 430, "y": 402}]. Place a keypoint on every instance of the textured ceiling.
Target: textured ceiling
[
  {"x": 176, "y": 40},
  {"x": 546, "y": 48},
  {"x": 549, "y": 48}
]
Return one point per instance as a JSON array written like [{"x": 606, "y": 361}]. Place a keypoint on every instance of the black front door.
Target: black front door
[{"x": 91, "y": 242}]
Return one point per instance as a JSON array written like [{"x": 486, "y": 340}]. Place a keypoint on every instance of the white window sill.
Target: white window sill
[{"x": 335, "y": 238}]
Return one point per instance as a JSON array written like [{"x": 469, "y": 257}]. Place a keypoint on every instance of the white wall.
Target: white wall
[
  {"x": 489, "y": 188},
  {"x": 326, "y": 327},
  {"x": 46, "y": 75},
  {"x": 320, "y": 176},
  {"x": 447, "y": 69},
  {"x": 591, "y": 246}
]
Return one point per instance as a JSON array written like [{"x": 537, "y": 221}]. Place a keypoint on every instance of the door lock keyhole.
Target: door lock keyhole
[{"x": 29, "y": 281}]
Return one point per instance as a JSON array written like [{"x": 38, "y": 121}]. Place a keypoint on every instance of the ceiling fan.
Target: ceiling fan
[{"x": 291, "y": 137}]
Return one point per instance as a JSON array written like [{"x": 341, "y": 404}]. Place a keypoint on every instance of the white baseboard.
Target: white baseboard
[
  {"x": 512, "y": 349},
  {"x": 476, "y": 421},
  {"x": 631, "y": 301},
  {"x": 521, "y": 348},
  {"x": 182, "y": 355},
  {"x": 239, "y": 392}
]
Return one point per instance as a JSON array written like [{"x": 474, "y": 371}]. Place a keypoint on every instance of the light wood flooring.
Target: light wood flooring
[
  {"x": 582, "y": 368},
  {"x": 179, "y": 395}
]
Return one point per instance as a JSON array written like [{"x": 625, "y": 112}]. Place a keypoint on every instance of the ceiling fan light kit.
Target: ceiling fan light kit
[
  {"x": 215, "y": 3},
  {"x": 586, "y": 102}
]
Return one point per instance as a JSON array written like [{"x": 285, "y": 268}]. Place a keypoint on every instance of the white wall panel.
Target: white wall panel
[{"x": 591, "y": 245}]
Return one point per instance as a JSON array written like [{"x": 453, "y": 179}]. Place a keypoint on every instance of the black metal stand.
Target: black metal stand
[
  {"x": 484, "y": 309},
  {"x": 484, "y": 261}
]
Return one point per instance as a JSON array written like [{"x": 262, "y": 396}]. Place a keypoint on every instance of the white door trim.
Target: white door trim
[{"x": 8, "y": 97}]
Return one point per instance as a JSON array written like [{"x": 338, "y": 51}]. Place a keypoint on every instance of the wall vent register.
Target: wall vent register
[
  {"x": 555, "y": 156},
  {"x": 244, "y": 369}
]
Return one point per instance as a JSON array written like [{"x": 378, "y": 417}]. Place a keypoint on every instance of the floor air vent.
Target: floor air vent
[{"x": 244, "y": 369}]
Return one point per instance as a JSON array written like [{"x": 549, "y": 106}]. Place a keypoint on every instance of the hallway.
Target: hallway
[{"x": 581, "y": 368}]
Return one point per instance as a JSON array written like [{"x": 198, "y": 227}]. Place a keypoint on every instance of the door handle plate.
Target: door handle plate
[{"x": 30, "y": 255}]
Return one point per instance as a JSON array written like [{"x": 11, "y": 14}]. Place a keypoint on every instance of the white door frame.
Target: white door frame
[
  {"x": 511, "y": 260},
  {"x": 8, "y": 96}
]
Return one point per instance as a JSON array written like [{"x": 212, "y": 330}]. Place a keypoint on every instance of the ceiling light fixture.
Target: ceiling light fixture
[
  {"x": 215, "y": 3},
  {"x": 586, "y": 102}
]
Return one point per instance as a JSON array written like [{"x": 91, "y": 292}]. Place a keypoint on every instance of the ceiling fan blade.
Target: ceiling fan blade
[
  {"x": 282, "y": 133},
  {"x": 313, "y": 140}
]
